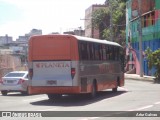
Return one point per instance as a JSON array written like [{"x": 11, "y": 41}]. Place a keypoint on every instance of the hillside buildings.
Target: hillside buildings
[
  {"x": 5, "y": 39},
  {"x": 13, "y": 54}
]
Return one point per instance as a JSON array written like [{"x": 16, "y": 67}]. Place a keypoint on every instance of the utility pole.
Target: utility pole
[
  {"x": 140, "y": 39},
  {"x": 111, "y": 22}
]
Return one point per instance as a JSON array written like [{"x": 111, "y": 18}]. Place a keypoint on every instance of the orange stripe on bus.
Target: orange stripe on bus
[{"x": 48, "y": 89}]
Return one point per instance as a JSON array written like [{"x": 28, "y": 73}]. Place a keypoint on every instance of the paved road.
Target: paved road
[{"x": 135, "y": 96}]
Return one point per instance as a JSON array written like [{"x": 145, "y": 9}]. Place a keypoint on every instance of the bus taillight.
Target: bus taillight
[{"x": 73, "y": 72}]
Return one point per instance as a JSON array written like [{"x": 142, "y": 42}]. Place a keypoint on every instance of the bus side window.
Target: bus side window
[
  {"x": 113, "y": 53},
  {"x": 91, "y": 51},
  {"x": 109, "y": 53},
  {"x": 117, "y": 51},
  {"x": 88, "y": 51},
  {"x": 101, "y": 52},
  {"x": 83, "y": 50},
  {"x": 97, "y": 51},
  {"x": 104, "y": 55}
]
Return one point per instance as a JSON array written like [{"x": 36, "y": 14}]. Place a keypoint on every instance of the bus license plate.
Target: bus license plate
[{"x": 52, "y": 82}]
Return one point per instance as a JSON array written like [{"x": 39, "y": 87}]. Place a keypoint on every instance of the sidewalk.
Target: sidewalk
[{"x": 138, "y": 78}]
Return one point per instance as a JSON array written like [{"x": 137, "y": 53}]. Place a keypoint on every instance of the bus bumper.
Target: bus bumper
[{"x": 54, "y": 90}]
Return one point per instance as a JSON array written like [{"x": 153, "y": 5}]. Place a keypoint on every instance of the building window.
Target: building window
[{"x": 149, "y": 19}]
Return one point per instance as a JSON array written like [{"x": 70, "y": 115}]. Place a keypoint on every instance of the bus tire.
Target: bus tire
[
  {"x": 115, "y": 89},
  {"x": 93, "y": 90},
  {"x": 4, "y": 92},
  {"x": 54, "y": 96},
  {"x": 117, "y": 84}
]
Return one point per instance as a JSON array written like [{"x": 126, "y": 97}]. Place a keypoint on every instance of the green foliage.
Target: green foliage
[
  {"x": 99, "y": 16},
  {"x": 154, "y": 61},
  {"x": 101, "y": 20},
  {"x": 107, "y": 34}
]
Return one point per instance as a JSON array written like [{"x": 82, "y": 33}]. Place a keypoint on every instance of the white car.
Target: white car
[{"x": 16, "y": 81}]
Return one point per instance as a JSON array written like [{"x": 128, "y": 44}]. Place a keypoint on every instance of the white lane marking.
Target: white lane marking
[
  {"x": 51, "y": 109},
  {"x": 142, "y": 108},
  {"x": 145, "y": 107},
  {"x": 157, "y": 103}
]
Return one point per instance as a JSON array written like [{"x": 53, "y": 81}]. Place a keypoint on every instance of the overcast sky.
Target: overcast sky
[{"x": 18, "y": 17}]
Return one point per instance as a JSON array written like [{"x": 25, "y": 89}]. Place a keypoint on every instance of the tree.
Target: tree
[
  {"x": 154, "y": 61},
  {"x": 101, "y": 20}
]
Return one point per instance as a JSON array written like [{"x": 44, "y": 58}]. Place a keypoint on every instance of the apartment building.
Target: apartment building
[
  {"x": 149, "y": 11},
  {"x": 5, "y": 39}
]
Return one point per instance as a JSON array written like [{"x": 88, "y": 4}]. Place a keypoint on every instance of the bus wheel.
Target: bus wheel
[
  {"x": 4, "y": 92},
  {"x": 116, "y": 88},
  {"x": 94, "y": 90},
  {"x": 54, "y": 96}
]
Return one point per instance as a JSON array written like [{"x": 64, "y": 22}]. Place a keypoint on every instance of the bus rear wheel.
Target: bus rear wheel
[
  {"x": 115, "y": 89},
  {"x": 4, "y": 92},
  {"x": 93, "y": 90},
  {"x": 54, "y": 96},
  {"x": 117, "y": 84}
]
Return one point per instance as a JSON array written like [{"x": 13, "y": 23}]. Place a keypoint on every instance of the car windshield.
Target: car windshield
[{"x": 15, "y": 75}]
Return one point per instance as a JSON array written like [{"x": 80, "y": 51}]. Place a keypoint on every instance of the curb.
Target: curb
[{"x": 138, "y": 78}]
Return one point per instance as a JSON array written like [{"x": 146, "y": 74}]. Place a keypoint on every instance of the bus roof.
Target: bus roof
[
  {"x": 96, "y": 40},
  {"x": 84, "y": 39}
]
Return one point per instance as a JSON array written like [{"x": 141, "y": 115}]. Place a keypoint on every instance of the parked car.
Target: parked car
[{"x": 16, "y": 81}]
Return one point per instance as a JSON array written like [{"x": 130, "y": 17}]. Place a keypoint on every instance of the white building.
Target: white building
[
  {"x": 25, "y": 38},
  {"x": 5, "y": 39}
]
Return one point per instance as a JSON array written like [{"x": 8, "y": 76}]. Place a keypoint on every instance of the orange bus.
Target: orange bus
[{"x": 67, "y": 64}]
